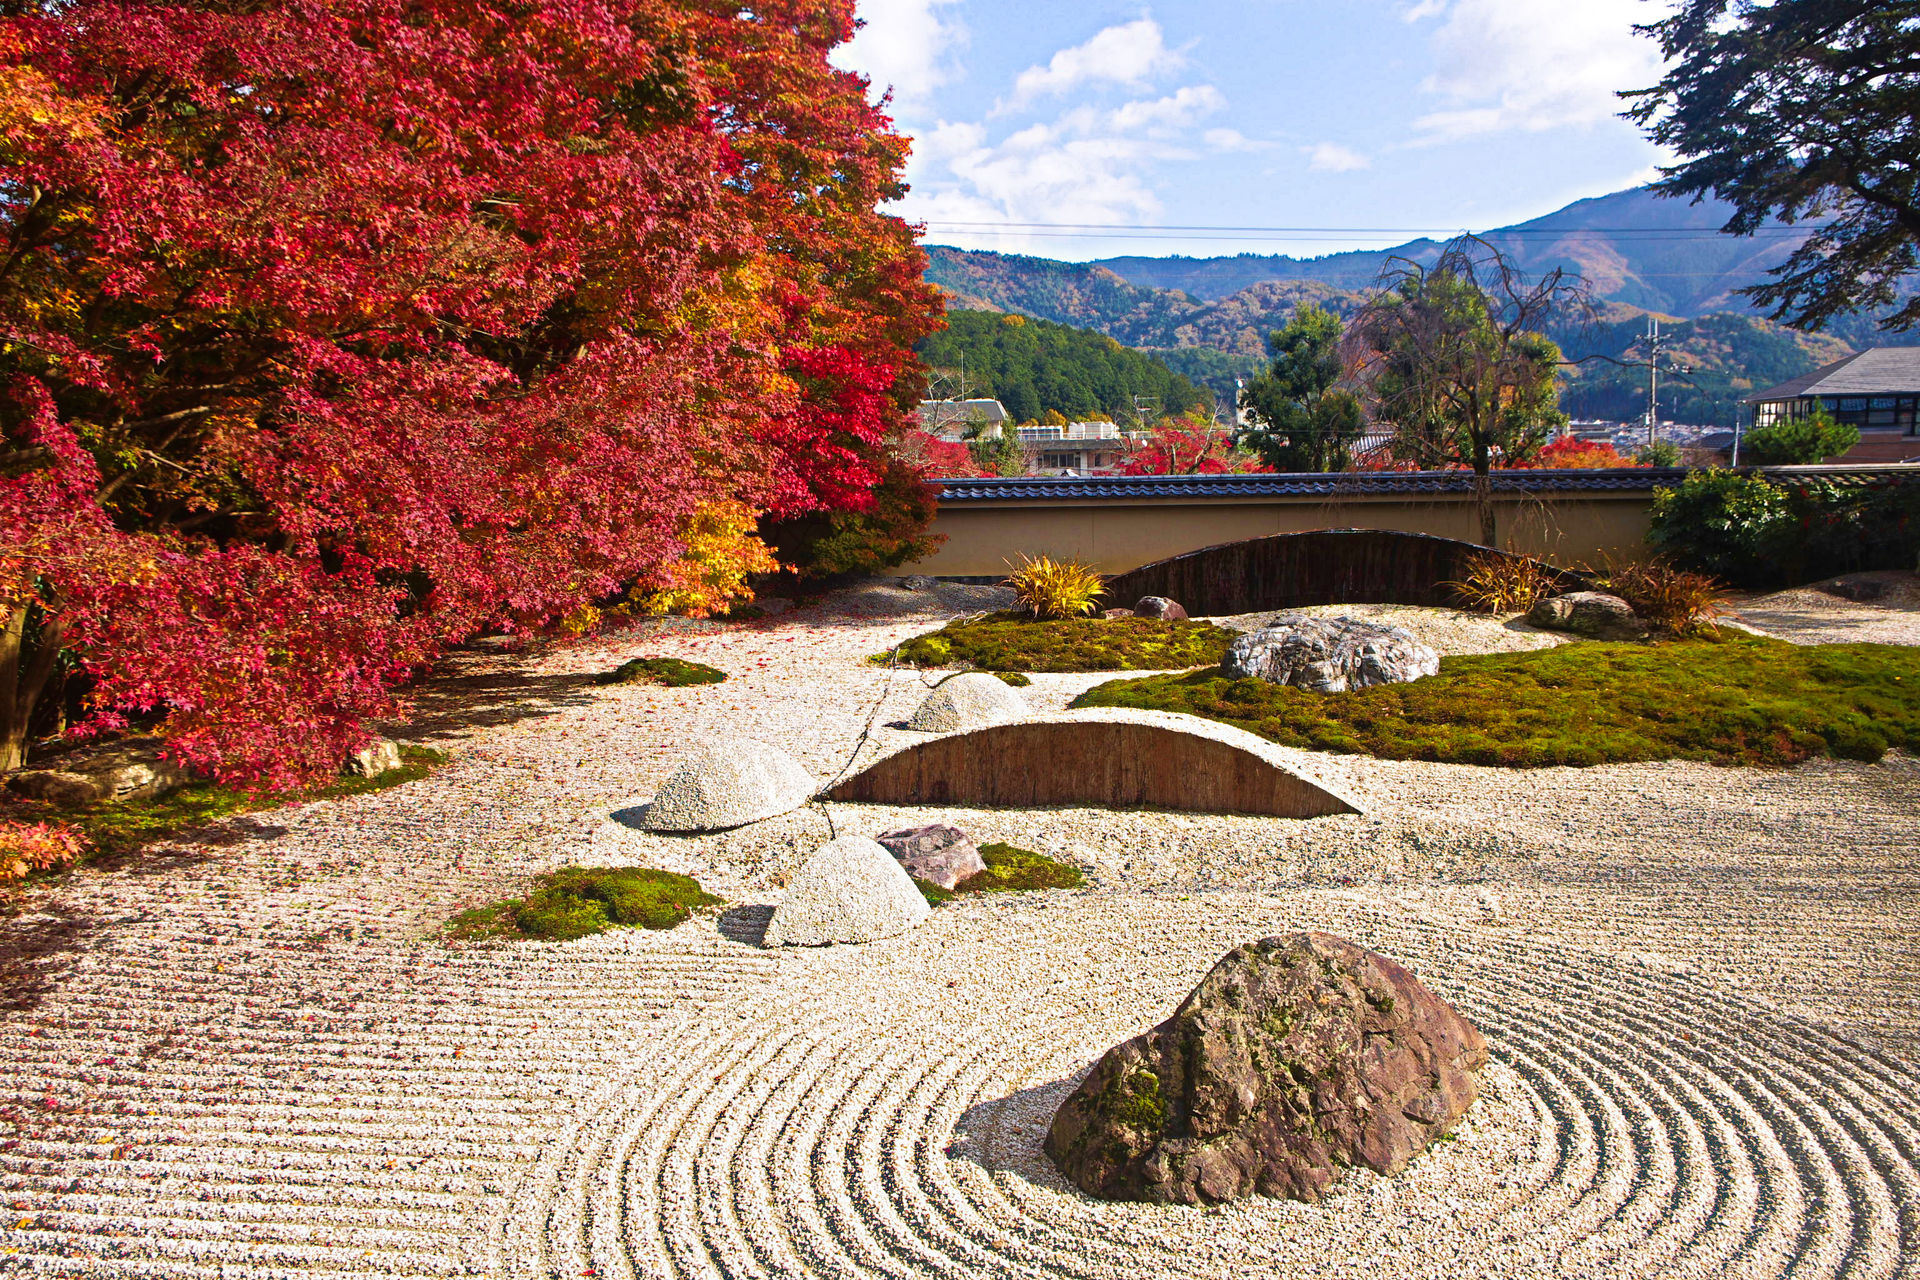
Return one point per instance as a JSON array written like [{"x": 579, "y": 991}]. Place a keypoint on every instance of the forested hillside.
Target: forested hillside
[
  {"x": 1727, "y": 354},
  {"x": 1034, "y": 367},
  {"x": 1635, "y": 247}
]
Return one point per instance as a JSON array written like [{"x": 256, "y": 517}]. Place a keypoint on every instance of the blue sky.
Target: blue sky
[{"x": 1399, "y": 115}]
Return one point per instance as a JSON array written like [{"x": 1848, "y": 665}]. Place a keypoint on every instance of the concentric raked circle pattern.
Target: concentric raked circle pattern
[{"x": 878, "y": 1112}]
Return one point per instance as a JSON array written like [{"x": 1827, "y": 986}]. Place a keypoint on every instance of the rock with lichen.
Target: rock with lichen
[{"x": 1293, "y": 1058}]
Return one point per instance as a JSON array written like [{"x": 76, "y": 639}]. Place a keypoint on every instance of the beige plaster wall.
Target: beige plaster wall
[{"x": 982, "y": 538}]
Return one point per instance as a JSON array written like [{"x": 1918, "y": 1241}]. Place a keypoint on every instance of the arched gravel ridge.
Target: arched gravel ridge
[
  {"x": 1110, "y": 756},
  {"x": 1635, "y": 1124}
]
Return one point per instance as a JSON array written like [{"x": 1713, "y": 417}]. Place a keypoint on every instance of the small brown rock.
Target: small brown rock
[
  {"x": 940, "y": 855},
  {"x": 1160, "y": 607}
]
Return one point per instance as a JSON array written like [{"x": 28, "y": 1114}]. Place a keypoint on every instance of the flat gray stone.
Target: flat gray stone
[
  {"x": 850, "y": 890},
  {"x": 1330, "y": 655},
  {"x": 728, "y": 783},
  {"x": 970, "y": 701},
  {"x": 132, "y": 769}
]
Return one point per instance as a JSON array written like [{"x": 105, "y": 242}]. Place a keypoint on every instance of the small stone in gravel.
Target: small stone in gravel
[
  {"x": 850, "y": 890},
  {"x": 1111, "y": 614},
  {"x": 970, "y": 701},
  {"x": 1330, "y": 655},
  {"x": 1160, "y": 607},
  {"x": 728, "y": 784},
  {"x": 939, "y": 854},
  {"x": 377, "y": 757},
  {"x": 1291, "y": 1056}
]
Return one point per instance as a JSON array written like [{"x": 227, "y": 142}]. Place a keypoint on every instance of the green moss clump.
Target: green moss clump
[
  {"x": 1134, "y": 1100},
  {"x": 1740, "y": 700},
  {"x": 1016, "y": 642},
  {"x": 1009, "y": 870},
  {"x": 128, "y": 826},
  {"x": 575, "y": 902},
  {"x": 674, "y": 673},
  {"x": 1018, "y": 680}
]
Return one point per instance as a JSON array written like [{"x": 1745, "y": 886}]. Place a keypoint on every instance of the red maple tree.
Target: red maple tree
[{"x": 336, "y": 330}]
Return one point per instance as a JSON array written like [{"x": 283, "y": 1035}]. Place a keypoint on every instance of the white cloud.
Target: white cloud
[
  {"x": 905, "y": 46},
  {"x": 1331, "y": 157},
  {"x": 1131, "y": 54},
  {"x": 1505, "y": 65},
  {"x": 1234, "y": 140},
  {"x": 1424, "y": 9}
]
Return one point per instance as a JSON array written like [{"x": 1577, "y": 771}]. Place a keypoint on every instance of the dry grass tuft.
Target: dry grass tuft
[
  {"x": 1053, "y": 589},
  {"x": 1497, "y": 583}
]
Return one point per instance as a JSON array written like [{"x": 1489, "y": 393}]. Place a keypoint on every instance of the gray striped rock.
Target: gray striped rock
[
  {"x": 850, "y": 890},
  {"x": 1330, "y": 655},
  {"x": 728, "y": 784},
  {"x": 970, "y": 701}
]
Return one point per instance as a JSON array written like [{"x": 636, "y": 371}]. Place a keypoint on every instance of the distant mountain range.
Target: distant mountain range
[{"x": 1208, "y": 318}]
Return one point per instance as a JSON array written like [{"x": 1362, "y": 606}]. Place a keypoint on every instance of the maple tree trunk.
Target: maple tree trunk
[
  {"x": 23, "y": 677},
  {"x": 1483, "y": 501}
]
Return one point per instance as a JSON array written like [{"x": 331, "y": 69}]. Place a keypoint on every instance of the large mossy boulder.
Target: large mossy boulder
[{"x": 1292, "y": 1058}]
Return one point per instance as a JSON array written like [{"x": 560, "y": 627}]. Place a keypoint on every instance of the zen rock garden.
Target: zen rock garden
[{"x": 909, "y": 931}]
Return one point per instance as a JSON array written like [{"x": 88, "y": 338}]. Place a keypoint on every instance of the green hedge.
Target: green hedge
[{"x": 1759, "y": 531}]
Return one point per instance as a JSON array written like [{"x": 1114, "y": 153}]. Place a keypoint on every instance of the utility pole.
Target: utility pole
[{"x": 1653, "y": 377}]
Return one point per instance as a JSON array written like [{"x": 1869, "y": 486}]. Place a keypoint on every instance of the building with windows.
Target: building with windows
[
  {"x": 1078, "y": 448},
  {"x": 952, "y": 420},
  {"x": 1876, "y": 391}
]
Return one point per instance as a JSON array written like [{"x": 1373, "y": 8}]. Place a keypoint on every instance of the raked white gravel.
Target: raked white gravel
[{"x": 248, "y": 1058}]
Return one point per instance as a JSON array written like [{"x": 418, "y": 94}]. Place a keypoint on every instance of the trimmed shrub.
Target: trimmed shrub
[
  {"x": 1797, "y": 441},
  {"x": 1758, "y": 531}
]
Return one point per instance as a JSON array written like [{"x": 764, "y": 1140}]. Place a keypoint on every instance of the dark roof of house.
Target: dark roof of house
[
  {"x": 1875, "y": 371},
  {"x": 1348, "y": 484}
]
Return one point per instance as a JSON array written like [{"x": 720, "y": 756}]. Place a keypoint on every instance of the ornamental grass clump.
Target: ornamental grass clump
[
  {"x": 1497, "y": 583},
  {"x": 575, "y": 902},
  {"x": 1673, "y": 601},
  {"x": 1052, "y": 589}
]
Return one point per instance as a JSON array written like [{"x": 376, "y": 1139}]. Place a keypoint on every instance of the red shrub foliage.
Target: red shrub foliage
[
  {"x": 1571, "y": 454},
  {"x": 1187, "y": 446},
  {"x": 338, "y": 329}
]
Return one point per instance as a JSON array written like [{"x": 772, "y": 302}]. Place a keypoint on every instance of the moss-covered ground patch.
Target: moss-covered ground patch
[
  {"x": 574, "y": 902},
  {"x": 123, "y": 828},
  {"x": 1741, "y": 700},
  {"x": 1009, "y": 870},
  {"x": 675, "y": 673},
  {"x": 1016, "y": 642}
]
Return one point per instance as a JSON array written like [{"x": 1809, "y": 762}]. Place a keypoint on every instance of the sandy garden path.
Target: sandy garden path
[{"x": 248, "y": 1057}]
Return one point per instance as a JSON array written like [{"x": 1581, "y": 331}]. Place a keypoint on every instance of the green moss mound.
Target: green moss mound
[
  {"x": 675, "y": 673},
  {"x": 1009, "y": 870},
  {"x": 1016, "y": 679},
  {"x": 575, "y": 902},
  {"x": 1015, "y": 642},
  {"x": 130, "y": 825},
  {"x": 1741, "y": 700}
]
